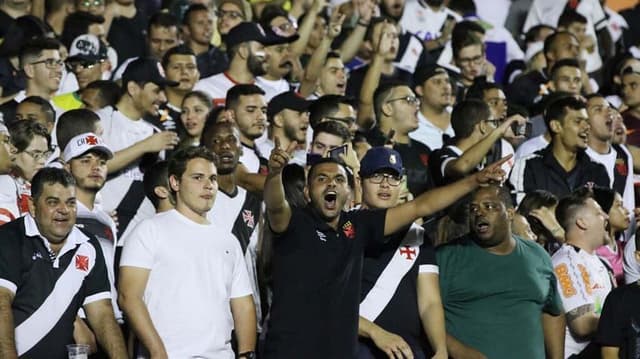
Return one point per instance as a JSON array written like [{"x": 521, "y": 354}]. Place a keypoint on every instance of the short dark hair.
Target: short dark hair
[
  {"x": 32, "y": 49},
  {"x": 109, "y": 91},
  {"x": 570, "y": 205},
  {"x": 382, "y": 93},
  {"x": 23, "y": 132},
  {"x": 557, "y": 110},
  {"x": 550, "y": 41},
  {"x": 504, "y": 193},
  {"x": 76, "y": 24},
  {"x": 190, "y": 10},
  {"x": 466, "y": 114},
  {"x": 464, "y": 7},
  {"x": 210, "y": 128},
  {"x": 562, "y": 63},
  {"x": 334, "y": 128},
  {"x": 157, "y": 175},
  {"x": 45, "y": 106},
  {"x": 162, "y": 19},
  {"x": 464, "y": 37},
  {"x": 536, "y": 199},
  {"x": 569, "y": 16},
  {"x": 179, "y": 159},
  {"x": 324, "y": 106},
  {"x": 323, "y": 160},
  {"x": 479, "y": 86},
  {"x": 50, "y": 175},
  {"x": 73, "y": 123},
  {"x": 534, "y": 32},
  {"x": 176, "y": 50},
  {"x": 234, "y": 93}
]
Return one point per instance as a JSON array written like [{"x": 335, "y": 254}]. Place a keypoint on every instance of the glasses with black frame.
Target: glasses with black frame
[
  {"x": 49, "y": 63},
  {"x": 392, "y": 180},
  {"x": 410, "y": 99}
]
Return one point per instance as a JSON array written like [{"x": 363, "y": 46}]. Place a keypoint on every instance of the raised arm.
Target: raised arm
[
  {"x": 305, "y": 29},
  {"x": 474, "y": 155},
  {"x": 161, "y": 141},
  {"x": 366, "y": 115},
  {"x": 319, "y": 56},
  {"x": 440, "y": 198},
  {"x": 133, "y": 281},
  {"x": 103, "y": 323},
  {"x": 278, "y": 210},
  {"x": 350, "y": 46}
]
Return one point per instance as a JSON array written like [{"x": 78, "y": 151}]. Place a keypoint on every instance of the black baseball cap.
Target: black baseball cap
[
  {"x": 424, "y": 73},
  {"x": 146, "y": 69},
  {"x": 251, "y": 31},
  {"x": 287, "y": 100}
]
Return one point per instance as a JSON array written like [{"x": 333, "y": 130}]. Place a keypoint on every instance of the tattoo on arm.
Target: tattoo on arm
[{"x": 578, "y": 312}]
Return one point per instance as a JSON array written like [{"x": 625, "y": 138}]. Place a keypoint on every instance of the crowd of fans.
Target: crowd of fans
[{"x": 319, "y": 179}]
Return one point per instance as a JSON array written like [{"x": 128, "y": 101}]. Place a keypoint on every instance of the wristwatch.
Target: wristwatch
[{"x": 247, "y": 355}]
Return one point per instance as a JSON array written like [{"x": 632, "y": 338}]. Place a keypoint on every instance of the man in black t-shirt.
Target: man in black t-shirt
[
  {"x": 396, "y": 108},
  {"x": 619, "y": 325},
  {"x": 317, "y": 254},
  {"x": 397, "y": 280}
]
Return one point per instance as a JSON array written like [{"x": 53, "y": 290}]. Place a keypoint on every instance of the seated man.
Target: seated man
[{"x": 49, "y": 269}]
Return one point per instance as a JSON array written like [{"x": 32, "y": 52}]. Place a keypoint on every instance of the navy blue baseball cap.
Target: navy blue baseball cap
[{"x": 380, "y": 158}]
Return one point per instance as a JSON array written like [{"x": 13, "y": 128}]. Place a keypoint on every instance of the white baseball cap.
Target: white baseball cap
[{"x": 83, "y": 143}]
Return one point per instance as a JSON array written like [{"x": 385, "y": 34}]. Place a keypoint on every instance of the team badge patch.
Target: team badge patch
[
  {"x": 247, "y": 217},
  {"x": 82, "y": 263}
]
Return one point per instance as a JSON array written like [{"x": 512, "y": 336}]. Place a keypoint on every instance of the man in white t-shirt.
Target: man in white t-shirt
[
  {"x": 183, "y": 280},
  {"x": 583, "y": 280},
  {"x": 433, "y": 86},
  {"x": 135, "y": 142},
  {"x": 428, "y": 20}
]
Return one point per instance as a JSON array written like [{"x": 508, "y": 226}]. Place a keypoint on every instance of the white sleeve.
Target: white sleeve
[
  {"x": 571, "y": 285},
  {"x": 516, "y": 178},
  {"x": 140, "y": 247},
  {"x": 8, "y": 200},
  {"x": 533, "y": 17},
  {"x": 631, "y": 265},
  {"x": 240, "y": 284},
  {"x": 592, "y": 10}
]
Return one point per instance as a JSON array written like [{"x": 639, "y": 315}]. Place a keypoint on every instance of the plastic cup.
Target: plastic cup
[{"x": 78, "y": 351}]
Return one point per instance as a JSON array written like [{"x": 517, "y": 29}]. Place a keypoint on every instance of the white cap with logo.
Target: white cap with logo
[{"x": 83, "y": 143}]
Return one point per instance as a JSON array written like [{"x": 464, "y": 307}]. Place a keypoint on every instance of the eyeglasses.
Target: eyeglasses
[
  {"x": 476, "y": 60},
  {"x": 392, "y": 180},
  {"x": 233, "y": 15},
  {"x": 411, "y": 100},
  {"x": 89, "y": 3},
  {"x": 346, "y": 120},
  {"x": 50, "y": 63},
  {"x": 84, "y": 64},
  {"x": 38, "y": 155}
]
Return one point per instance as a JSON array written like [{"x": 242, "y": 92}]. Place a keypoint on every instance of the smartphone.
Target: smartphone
[{"x": 335, "y": 152}]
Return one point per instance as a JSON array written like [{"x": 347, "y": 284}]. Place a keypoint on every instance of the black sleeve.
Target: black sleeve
[
  {"x": 10, "y": 258},
  {"x": 427, "y": 255},
  {"x": 611, "y": 324},
  {"x": 97, "y": 281},
  {"x": 373, "y": 221}
]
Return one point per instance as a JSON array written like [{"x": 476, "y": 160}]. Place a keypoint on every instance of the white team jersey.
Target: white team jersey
[
  {"x": 216, "y": 86},
  {"x": 582, "y": 279},
  {"x": 272, "y": 88},
  {"x": 425, "y": 23}
]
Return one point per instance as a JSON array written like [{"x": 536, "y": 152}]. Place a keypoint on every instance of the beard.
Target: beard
[{"x": 256, "y": 65}]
